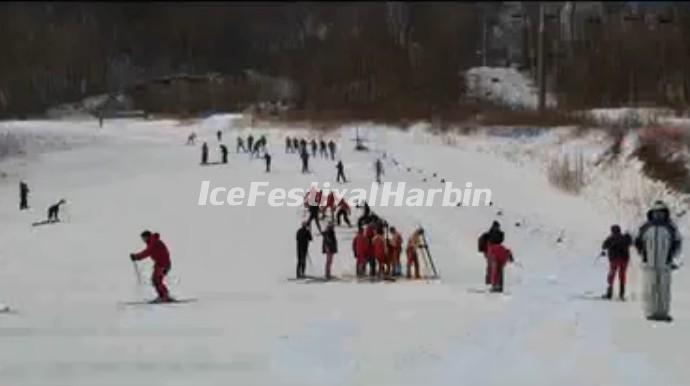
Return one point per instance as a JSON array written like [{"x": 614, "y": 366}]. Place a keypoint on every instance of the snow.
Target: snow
[
  {"x": 251, "y": 326},
  {"x": 504, "y": 86}
]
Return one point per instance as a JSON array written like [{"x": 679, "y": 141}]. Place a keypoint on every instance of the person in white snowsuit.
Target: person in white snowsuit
[{"x": 658, "y": 242}]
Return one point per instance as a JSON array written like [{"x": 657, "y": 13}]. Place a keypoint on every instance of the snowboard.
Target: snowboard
[{"x": 153, "y": 303}]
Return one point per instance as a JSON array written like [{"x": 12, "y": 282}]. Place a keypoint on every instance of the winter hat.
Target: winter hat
[
  {"x": 615, "y": 229},
  {"x": 658, "y": 205},
  {"x": 495, "y": 225},
  {"x": 146, "y": 233}
]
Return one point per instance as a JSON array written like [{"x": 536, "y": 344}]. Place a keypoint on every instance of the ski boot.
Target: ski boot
[
  {"x": 660, "y": 318},
  {"x": 609, "y": 293},
  {"x": 621, "y": 293}
]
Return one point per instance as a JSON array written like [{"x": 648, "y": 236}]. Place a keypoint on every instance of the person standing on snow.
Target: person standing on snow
[
  {"x": 493, "y": 236},
  {"x": 343, "y": 213},
  {"x": 378, "y": 165},
  {"x": 323, "y": 151},
  {"x": 617, "y": 247},
  {"x": 224, "y": 153},
  {"x": 191, "y": 139},
  {"x": 341, "y": 172},
  {"x": 331, "y": 148},
  {"x": 288, "y": 145},
  {"x": 23, "y": 195},
  {"x": 312, "y": 202},
  {"x": 204, "y": 154},
  {"x": 330, "y": 205},
  {"x": 303, "y": 238},
  {"x": 219, "y": 135},
  {"x": 240, "y": 145},
  {"x": 158, "y": 252},
  {"x": 305, "y": 161},
  {"x": 314, "y": 147},
  {"x": 396, "y": 243},
  {"x": 267, "y": 158},
  {"x": 378, "y": 244},
  {"x": 329, "y": 247},
  {"x": 360, "y": 249},
  {"x": 413, "y": 244},
  {"x": 250, "y": 142},
  {"x": 498, "y": 257},
  {"x": 658, "y": 242}
]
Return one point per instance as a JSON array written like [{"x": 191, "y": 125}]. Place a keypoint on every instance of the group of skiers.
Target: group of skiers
[
  {"x": 53, "y": 210},
  {"x": 253, "y": 147},
  {"x": 376, "y": 244},
  {"x": 323, "y": 148},
  {"x": 658, "y": 243}
]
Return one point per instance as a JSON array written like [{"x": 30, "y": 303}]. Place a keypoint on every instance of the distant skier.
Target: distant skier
[
  {"x": 314, "y": 148},
  {"x": 378, "y": 165},
  {"x": 617, "y": 247},
  {"x": 498, "y": 257},
  {"x": 158, "y": 252},
  {"x": 267, "y": 158},
  {"x": 23, "y": 195},
  {"x": 341, "y": 172},
  {"x": 658, "y": 242},
  {"x": 331, "y": 148},
  {"x": 343, "y": 213},
  {"x": 413, "y": 244},
  {"x": 219, "y": 135},
  {"x": 240, "y": 145},
  {"x": 329, "y": 247},
  {"x": 396, "y": 243},
  {"x": 204, "y": 154},
  {"x": 224, "y": 153},
  {"x": 330, "y": 206},
  {"x": 191, "y": 139},
  {"x": 305, "y": 161},
  {"x": 303, "y": 239},
  {"x": 312, "y": 201},
  {"x": 295, "y": 145},
  {"x": 54, "y": 211},
  {"x": 288, "y": 145},
  {"x": 256, "y": 150},
  {"x": 303, "y": 145},
  {"x": 493, "y": 236},
  {"x": 323, "y": 149},
  {"x": 250, "y": 142}
]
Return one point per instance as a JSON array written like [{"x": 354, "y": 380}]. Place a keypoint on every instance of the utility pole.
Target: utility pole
[
  {"x": 484, "y": 12},
  {"x": 541, "y": 68}
]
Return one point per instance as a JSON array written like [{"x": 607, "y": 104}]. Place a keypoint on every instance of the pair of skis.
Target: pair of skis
[{"x": 428, "y": 259}]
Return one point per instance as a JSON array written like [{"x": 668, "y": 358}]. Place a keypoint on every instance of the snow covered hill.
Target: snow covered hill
[{"x": 252, "y": 326}]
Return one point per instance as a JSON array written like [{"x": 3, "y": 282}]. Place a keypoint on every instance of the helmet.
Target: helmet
[
  {"x": 658, "y": 212},
  {"x": 615, "y": 229}
]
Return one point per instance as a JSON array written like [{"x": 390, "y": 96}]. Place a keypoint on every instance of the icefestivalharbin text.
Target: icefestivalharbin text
[{"x": 385, "y": 194}]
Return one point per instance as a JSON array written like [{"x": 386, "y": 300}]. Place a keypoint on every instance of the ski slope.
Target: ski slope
[{"x": 250, "y": 325}]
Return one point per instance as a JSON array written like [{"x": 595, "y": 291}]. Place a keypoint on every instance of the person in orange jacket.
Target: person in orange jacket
[
  {"x": 396, "y": 243},
  {"x": 380, "y": 249},
  {"x": 413, "y": 243},
  {"x": 498, "y": 256}
]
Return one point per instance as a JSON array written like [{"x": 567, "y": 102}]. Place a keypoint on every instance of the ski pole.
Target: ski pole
[{"x": 136, "y": 272}]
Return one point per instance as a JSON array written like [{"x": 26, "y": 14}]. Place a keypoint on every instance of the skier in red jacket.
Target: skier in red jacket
[
  {"x": 379, "y": 246},
  {"x": 360, "y": 248},
  {"x": 158, "y": 252}
]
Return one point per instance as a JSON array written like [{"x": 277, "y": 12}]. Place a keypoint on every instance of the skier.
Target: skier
[
  {"x": 250, "y": 142},
  {"x": 658, "y": 242},
  {"x": 288, "y": 145},
  {"x": 617, "y": 247},
  {"x": 204, "y": 154},
  {"x": 323, "y": 149},
  {"x": 378, "y": 165},
  {"x": 158, "y": 252},
  {"x": 329, "y": 247},
  {"x": 396, "y": 243},
  {"x": 360, "y": 249},
  {"x": 303, "y": 239},
  {"x": 256, "y": 150},
  {"x": 498, "y": 257},
  {"x": 23, "y": 195},
  {"x": 493, "y": 236},
  {"x": 314, "y": 147},
  {"x": 330, "y": 204},
  {"x": 312, "y": 201},
  {"x": 365, "y": 217},
  {"x": 413, "y": 243},
  {"x": 343, "y": 213},
  {"x": 305, "y": 161},
  {"x": 380, "y": 252},
  {"x": 219, "y": 135},
  {"x": 295, "y": 145},
  {"x": 263, "y": 142},
  {"x": 303, "y": 145},
  {"x": 267, "y": 158},
  {"x": 54, "y": 211},
  {"x": 341, "y": 173},
  {"x": 369, "y": 233},
  {"x": 191, "y": 139},
  {"x": 240, "y": 145},
  {"x": 331, "y": 147},
  {"x": 224, "y": 153}
]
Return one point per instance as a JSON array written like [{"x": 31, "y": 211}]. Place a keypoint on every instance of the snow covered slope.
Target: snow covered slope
[{"x": 251, "y": 326}]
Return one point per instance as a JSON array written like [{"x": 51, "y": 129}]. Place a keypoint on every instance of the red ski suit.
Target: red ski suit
[
  {"x": 158, "y": 252},
  {"x": 379, "y": 246},
  {"x": 498, "y": 256}
]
